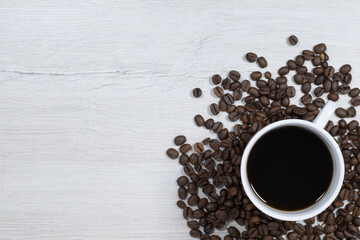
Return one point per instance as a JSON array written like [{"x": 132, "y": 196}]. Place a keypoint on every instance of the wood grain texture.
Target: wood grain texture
[{"x": 93, "y": 92}]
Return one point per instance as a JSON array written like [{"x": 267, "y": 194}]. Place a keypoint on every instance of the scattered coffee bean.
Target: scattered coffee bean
[
  {"x": 351, "y": 112},
  {"x": 341, "y": 112},
  {"x": 262, "y": 62},
  {"x": 179, "y": 140},
  {"x": 234, "y": 75},
  {"x": 215, "y": 109},
  {"x": 345, "y": 69},
  {"x": 197, "y": 92},
  {"x": 199, "y": 120},
  {"x": 251, "y": 57},
  {"x": 216, "y": 79},
  {"x": 172, "y": 153},
  {"x": 355, "y": 101},
  {"x": 333, "y": 96},
  {"x": 320, "y": 48},
  {"x": 293, "y": 40}
]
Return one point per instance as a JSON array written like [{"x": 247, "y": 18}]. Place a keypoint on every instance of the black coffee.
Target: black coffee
[{"x": 290, "y": 168}]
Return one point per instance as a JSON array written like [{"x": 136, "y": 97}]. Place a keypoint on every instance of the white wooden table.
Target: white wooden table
[{"x": 93, "y": 92}]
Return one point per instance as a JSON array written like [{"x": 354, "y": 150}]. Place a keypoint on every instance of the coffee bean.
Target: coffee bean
[
  {"x": 293, "y": 40},
  {"x": 226, "y": 83},
  {"x": 261, "y": 61},
  {"x": 251, "y": 57},
  {"x": 345, "y": 69},
  {"x": 320, "y": 79},
  {"x": 281, "y": 80},
  {"x": 306, "y": 99},
  {"x": 234, "y": 232},
  {"x": 185, "y": 148},
  {"x": 291, "y": 64},
  {"x": 255, "y": 75},
  {"x": 299, "y": 60},
  {"x": 329, "y": 72},
  {"x": 341, "y": 112},
  {"x": 253, "y": 92},
  {"x": 352, "y": 125},
  {"x": 209, "y": 123},
  {"x": 333, "y": 97},
  {"x": 300, "y": 111},
  {"x": 354, "y": 92},
  {"x": 235, "y": 85},
  {"x": 310, "y": 77},
  {"x": 290, "y": 92},
  {"x": 267, "y": 75},
  {"x": 283, "y": 70},
  {"x": 195, "y": 233},
  {"x": 355, "y": 101},
  {"x": 172, "y": 153},
  {"x": 301, "y": 70},
  {"x": 180, "y": 204},
  {"x": 292, "y": 236},
  {"x": 308, "y": 55},
  {"x": 182, "y": 192},
  {"x": 306, "y": 87},
  {"x": 319, "y": 91},
  {"x": 311, "y": 107},
  {"x": 344, "y": 89},
  {"x": 197, "y": 92},
  {"x": 234, "y": 75},
  {"x": 245, "y": 85},
  {"x": 228, "y": 99},
  {"x": 218, "y": 91},
  {"x": 179, "y": 140},
  {"x": 216, "y": 79},
  {"x": 215, "y": 109},
  {"x": 334, "y": 86},
  {"x": 316, "y": 61},
  {"x": 318, "y": 70},
  {"x": 347, "y": 78},
  {"x": 182, "y": 181},
  {"x": 199, "y": 148},
  {"x": 351, "y": 112},
  {"x": 320, "y": 48},
  {"x": 199, "y": 120},
  {"x": 298, "y": 78}
]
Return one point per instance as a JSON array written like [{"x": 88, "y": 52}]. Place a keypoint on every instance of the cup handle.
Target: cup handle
[{"x": 324, "y": 116}]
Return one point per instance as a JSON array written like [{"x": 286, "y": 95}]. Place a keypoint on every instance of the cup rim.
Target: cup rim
[{"x": 314, "y": 209}]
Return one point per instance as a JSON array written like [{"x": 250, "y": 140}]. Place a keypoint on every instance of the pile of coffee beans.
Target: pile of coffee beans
[{"x": 211, "y": 193}]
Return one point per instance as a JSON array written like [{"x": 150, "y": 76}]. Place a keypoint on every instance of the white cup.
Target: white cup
[{"x": 338, "y": 166}]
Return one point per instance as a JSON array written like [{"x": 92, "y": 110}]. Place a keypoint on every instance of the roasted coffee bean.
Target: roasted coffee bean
[
  {"x": 217, "y": 127},
  {"x": 182, "y": 192},
  {"x": 310, "y": 77},
  {"x": 352, "y": 125},
  {"x": 218, "y": 91},
  {"x": 215, "y": 109},
  {"x": 234, "y": 232},
  {"x": 320, "y": 79},
  {"x": 329, "y": 229},
  {"x": 226, "y": 83},
  {"x": 264, "y": 90},
  {"x": 184, "y": 159},
  {"x": 300, "y": 111},
  {"x": 345, "y": 69},
  {"x": 293, "y": 40},
  {"x": 234, "y": 75},
  {"x": 320, "y": 48},
  {"x": 185, "y": 148},
  {"x": 281, "y": 80},
  {"x": 291, "y": 64},
  {"x": 329, "y": 72},
  {"x": 333, "y": 96},
  {"x": 261, "y": 61},
  {"x": 216, "y": 79},
  {"x": 253, "y": 92},
  {"x": 251, "y": 57},
  {"x": 199, "y": 120},
  {"x": 197, "y": 92},
  {"x": 341, "y": 112},
  {"x": 264, "y": 101},
  {"x": 228, "y": 99},
  {"x": 308, "y": 55},
  {"x": 209, "y": 123},
  {"x": 351, "y": 112},
  {"x": 306, "y": 87},
  {"x": 179, "y": 140},
  {"x": 318, "y": 70},
  {"x": 245, "y": 85},
  {"x": 283, "y": 70},
  {"x": 292, "y": 236},
  {"x": 182, "y": 181},
  {"x": 180, "y": 204},
  {"x": 355, "y": 101},
  {"x": 199, "y": 148},
  {"x": 290, "y": 92},
  {"x": 344, "y": 88},
  {"x": 306, "y": 99},
  {"x": 298, "y": 79},
  {"x": 299, "y": 60},
  {"x": 255, "y": 75},
  {"x": 319, "y": 91},
  {"x": 193, "y": 200},
  {"x": 301, "y": 70},
  {"x": 195, "y": 233},
  {"x": 311, "y": 107},
  {"x": 316, "y": 61},
  {"x": 237, "y": 95},
  {"x": 235, "y": 85},
  {"x": 327, "y": 85},
  {"x": 193, "y": 224},
  {"x": 334, "y": 86},
  {"x": 172, "y": 153},
  {"x": 354, "y": 92}
]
